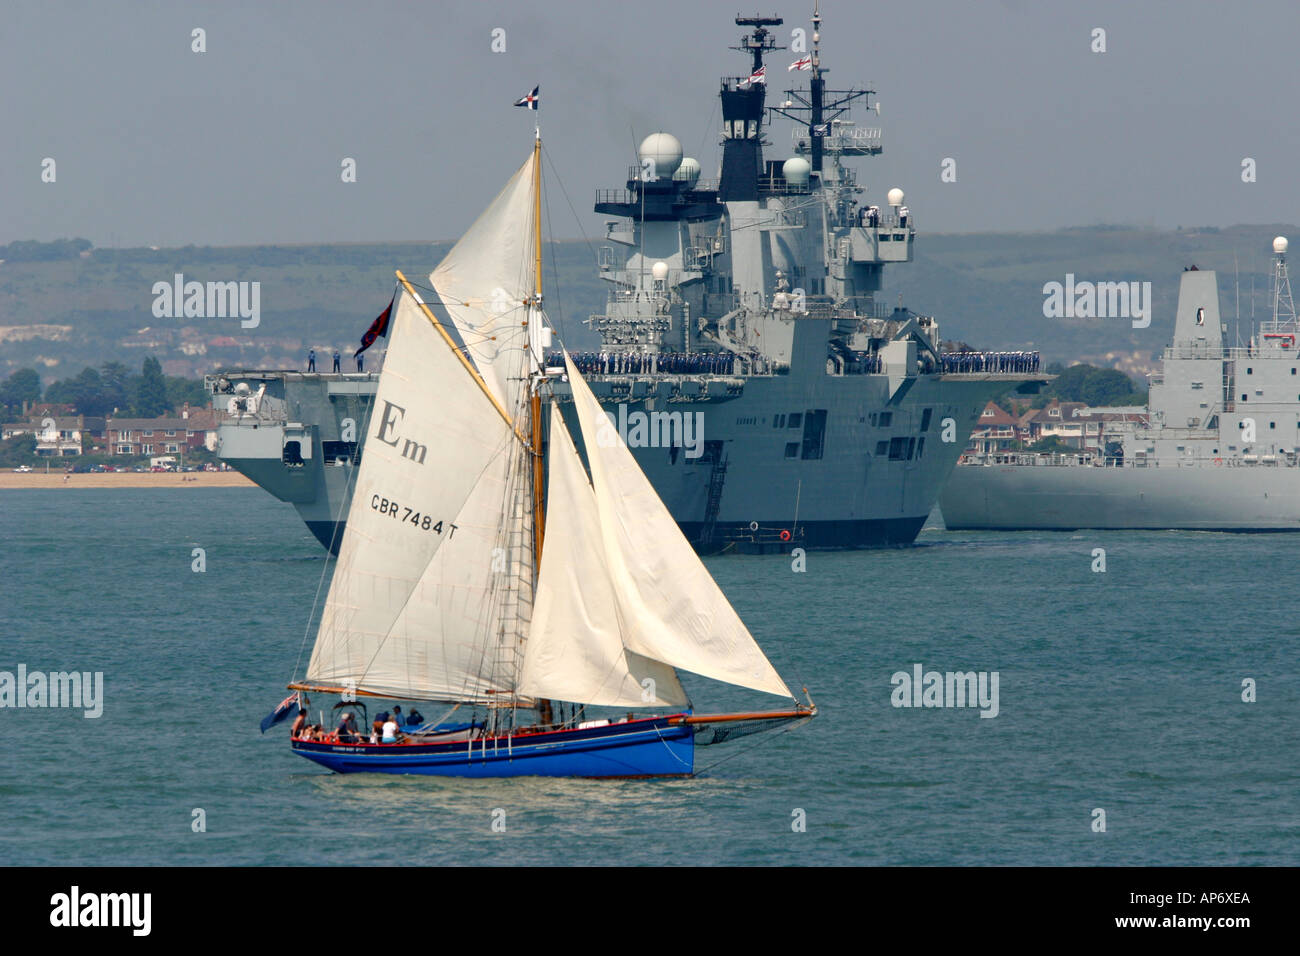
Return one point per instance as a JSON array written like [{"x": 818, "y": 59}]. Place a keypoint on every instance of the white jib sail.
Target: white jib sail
[
  {"x": 411, "y": 606},
  {"x": 485, "y": 279},
  {"x": 575, "y": 648},
  {"x": 671, "y": 608}
]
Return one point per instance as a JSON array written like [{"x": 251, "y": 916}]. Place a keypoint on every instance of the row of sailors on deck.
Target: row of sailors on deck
[
  {"x": 872, "y": 363},
  {"x": 663, "y": 363},
  {"x": 990, "y": 362},
  {"x": 386, "y": 728},
  {"x": 870, "y": 216}
]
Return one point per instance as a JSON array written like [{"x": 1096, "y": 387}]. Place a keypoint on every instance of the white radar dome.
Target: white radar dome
[
  {"x": 665, "y": 150},
  {"x": 895, "y": 197},
  {"x": 659, "y": 270},
  {"x": 796, "y": 170},
  {"x": 688, "y": 172},
  {"x": 1280, "y": 244}
]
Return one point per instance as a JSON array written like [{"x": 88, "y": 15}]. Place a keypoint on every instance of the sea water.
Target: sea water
[{"x": 1147, "y": 713}]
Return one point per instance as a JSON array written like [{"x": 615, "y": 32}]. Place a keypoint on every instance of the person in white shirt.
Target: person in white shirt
[{"x": 390, "y": 731}]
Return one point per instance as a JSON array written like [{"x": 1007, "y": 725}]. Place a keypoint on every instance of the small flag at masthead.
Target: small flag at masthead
[{"x": 531, "y": 100}]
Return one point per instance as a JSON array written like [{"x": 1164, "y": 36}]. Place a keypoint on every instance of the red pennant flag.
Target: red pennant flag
[{"x": 377, "y": 328}]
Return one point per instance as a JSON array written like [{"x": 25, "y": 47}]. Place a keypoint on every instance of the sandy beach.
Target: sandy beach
[{"x": 149, "y": 479}]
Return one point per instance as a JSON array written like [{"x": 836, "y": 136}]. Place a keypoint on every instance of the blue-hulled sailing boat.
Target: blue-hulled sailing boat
[{"x": 443, "y": 591}]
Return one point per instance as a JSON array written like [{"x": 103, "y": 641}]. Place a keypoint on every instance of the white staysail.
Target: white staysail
[
  {"x": 485, "y": 279},
  {"x": 670, "y": 607},
  {"x": 575, "y": 647},
  {"x": 417, "y": 606}
]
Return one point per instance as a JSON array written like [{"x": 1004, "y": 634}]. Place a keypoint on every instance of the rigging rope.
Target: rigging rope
[
  {"x": 791, "y": 726},
  {"x": 352, "y": 477}
]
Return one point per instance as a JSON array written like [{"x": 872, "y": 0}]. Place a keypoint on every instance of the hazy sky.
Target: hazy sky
[{"x": 159, "y": 145}]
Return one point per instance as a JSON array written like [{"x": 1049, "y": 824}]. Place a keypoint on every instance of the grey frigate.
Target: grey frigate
[
  {"x": 768, "y": 395},
  {"x": 1218, "y": 450}
]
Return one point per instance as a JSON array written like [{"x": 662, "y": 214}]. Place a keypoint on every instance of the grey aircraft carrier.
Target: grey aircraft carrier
[
  {"x": 1219, "y": 449},
  {"x": 745, "y": 307}
]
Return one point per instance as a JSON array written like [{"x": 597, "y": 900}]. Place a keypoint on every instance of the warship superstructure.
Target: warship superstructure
[
  {"x": 1219, "y": 449},
  {"x": 766, "y": 392}
]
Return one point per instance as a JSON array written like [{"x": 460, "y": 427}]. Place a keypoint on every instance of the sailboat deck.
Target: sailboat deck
[{"x": 641, "y": 747}]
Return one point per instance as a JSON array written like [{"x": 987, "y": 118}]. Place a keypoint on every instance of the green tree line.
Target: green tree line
[
  {"x": 110, "y": 389},
  {"x": 1083, "y": 383}
]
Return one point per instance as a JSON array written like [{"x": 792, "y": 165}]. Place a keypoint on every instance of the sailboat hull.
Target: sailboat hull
[{"x": 640, "y": 748}]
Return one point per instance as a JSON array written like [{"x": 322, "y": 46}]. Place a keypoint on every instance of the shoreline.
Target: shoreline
[{"x": 150, "y": 479}]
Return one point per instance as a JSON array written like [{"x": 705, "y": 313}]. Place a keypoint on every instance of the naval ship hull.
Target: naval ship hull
[
  {"x": 752, "y": 486},
  {"x": 856, "y": 480},
  {"x": 298, "y": 438},
  {"x": 1166, "y": 497},
  {"x": 1232, "y": 468}
]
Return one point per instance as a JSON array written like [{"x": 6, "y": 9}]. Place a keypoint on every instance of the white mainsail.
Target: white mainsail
[
  {"x": 575, "y": 648},
  {"x": 418, "y": 604},
  {"x": 670, "y": 608},
  {"x": 432, "y": 594},
  {"x": 485, "y": 279}
]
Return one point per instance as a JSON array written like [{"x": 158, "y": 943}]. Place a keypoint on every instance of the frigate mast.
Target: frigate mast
[{"x": 1284, "y": 315}]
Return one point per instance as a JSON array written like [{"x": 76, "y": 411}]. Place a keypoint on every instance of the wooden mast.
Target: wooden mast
[
  {"x": 539, "y": 517},
  {"x": 544, "y": 712}
]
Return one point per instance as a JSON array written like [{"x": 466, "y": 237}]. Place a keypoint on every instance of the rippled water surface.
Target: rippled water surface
[{"x": 1119, "y": 690}]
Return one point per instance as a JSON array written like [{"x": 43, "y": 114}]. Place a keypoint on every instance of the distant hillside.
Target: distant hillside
[{"x": 64, "y": 306}]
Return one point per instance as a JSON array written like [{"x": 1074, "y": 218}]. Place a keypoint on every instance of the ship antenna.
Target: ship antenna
[
  {"x": 762, "y": 41},
  {"x": 1236, "y": 282},
  {"x": 816, "y": 87},
  {"x": 1283, "y": 304}
]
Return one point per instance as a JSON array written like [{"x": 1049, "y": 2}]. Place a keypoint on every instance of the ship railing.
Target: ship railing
[
  {"x": 618, "y": 196},
  {"x": 772, "y": 537},
  {"x": 1228, "y": 354},
  {"x": 645, "y": 174},
  {"x": 1091, "y": 459},
  {"x": 1006, "y": 363},
  {"x": 842, "y": 137},
  {"x": 810, "y": 307},
  {"x": 779, "y": 186},
  {"x": 814, "y": 309},
  {"x": 700, "y": 255}
]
